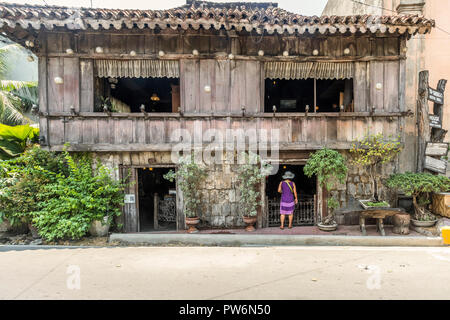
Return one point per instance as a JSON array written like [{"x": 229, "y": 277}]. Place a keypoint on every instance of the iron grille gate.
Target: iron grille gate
[
  {"x": 304, "y": 212},
  {"x": 167, "y": 210}
]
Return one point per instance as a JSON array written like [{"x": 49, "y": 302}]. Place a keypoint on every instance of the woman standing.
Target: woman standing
[{"x": 288, "y": 198}]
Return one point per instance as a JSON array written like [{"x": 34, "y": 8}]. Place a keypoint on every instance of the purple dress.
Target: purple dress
[{"x": 287, "y": 204}]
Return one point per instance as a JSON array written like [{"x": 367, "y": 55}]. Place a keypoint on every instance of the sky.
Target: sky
[{"x": 304, "y": 7}]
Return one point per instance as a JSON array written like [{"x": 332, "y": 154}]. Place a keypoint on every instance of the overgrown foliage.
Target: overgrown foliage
[
  {"x": 23, "y": 178},
  {"x": 250, "y": 176},
  {"x": 419, "y": 185},
  {"x": 14, "y": 140},
  {"x": 58, "y": 193},
  {"x": 330, "y": 168},
  {"x": 189, "y": 176},
  {"x": 371, "y": 152}
]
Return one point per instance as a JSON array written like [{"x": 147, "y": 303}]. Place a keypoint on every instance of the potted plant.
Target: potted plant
[
  {"x": 189, "y": 176},
  {"x": 330, "y": 168},
  {"x": 419, "y": 185},
  {"x": 250, "y": 176},
  {"x": 371, "y": 152}
]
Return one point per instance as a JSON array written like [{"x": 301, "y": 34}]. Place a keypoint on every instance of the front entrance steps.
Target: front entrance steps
[{"x": 297, "y": 236}]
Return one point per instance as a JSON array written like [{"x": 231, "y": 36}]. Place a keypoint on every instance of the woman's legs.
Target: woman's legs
[
  {"x": 282, "y": 221},
  {"x": 291, "y": 217}
]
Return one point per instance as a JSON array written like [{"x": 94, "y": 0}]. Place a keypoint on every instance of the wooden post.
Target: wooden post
[
  {"x": 155, "y": 211},
  {"x": 423, "y": 124}
]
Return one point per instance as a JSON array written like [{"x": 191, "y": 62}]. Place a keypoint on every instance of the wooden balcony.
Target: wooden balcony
[{"x": 118, "y": 132}]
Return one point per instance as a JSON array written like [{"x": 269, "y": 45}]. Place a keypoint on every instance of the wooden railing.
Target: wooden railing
[{"x": 151, "y": 132}]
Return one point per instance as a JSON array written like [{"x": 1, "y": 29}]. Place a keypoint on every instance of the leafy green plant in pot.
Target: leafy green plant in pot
[
  {"x": 372, "y": 151},
  {"x": 330, "y": 168},
  {"x": 419, "y": 186},
  {"x": 189, "y": 176},
  {"x": 250, "y": 176}
]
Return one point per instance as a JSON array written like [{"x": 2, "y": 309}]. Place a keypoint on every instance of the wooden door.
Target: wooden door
[{"x": 131, "y": 208}]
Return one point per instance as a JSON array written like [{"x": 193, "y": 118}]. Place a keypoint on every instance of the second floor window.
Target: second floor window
[
  {"x": 137, "y": 86},
  {"x": 316, "y": 86}
]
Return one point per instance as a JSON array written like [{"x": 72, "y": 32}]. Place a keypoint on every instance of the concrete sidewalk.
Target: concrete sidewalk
[{"x": 237, "y": 240}]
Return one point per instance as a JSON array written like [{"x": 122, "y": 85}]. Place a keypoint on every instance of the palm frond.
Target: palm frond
[{"x": 11, "y": 110}]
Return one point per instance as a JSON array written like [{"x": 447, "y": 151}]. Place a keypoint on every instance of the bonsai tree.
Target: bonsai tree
[
  {"x": 371, "y": 152},
  {"x": 330, "y": 168},
  {"x": 418, "y": 185},
  {"x": 250, "y": 175},
  {"x": 189, "y": 176}
]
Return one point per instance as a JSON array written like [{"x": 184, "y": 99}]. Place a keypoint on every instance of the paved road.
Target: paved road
[{"x": 225, "y": 273}]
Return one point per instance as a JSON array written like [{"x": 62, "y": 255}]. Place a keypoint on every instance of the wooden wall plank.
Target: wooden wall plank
[
  {"x": 104, "y": 130},
  {"x": 362, "y": 46},
  {"x": 238, "y": 92},
  {"x": 360, "y": 86},
  {"x": 253, "y": 87},
  {"x": 73, "y": 131},
  {"x": 376, "y": 76},
  {"x": 71, "y": 84},
  {"x": 390, "y": 85},
  {"x": 391, "y": 46},
  {"x": 56, "y": 132},
  {"x": 189, "y": 85},
  {"x": 55, "y": 91},
  {"x": 207, "y": 78},
  {"x": 222, "y": 86},
  {"x": 86, "y": 85}
]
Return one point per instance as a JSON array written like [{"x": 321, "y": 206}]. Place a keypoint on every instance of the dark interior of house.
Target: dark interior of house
[
  {"x": 295, "y": 95},
  {"x": 151, "y": 181},
  {"x": 156, "y": 94},
  {"x": 306, "y": 187}
]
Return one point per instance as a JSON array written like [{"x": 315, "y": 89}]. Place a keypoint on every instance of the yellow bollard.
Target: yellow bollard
[{"x": 445, "y": 231}]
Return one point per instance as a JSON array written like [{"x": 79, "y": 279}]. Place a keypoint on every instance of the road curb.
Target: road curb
[{"x": 272, "y": 240}]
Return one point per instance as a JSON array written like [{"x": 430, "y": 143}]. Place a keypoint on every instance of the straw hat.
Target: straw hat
[{"x": 288, "y": 175}]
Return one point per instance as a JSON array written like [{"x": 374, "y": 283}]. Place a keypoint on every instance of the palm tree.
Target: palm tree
[{"x": 16, "y": 97}]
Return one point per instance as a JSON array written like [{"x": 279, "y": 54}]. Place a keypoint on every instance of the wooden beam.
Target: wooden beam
[
  {"x": 136, "y": 147},
  {"x": 199, "y": 115},
  {"x": 221, "y": 55}
]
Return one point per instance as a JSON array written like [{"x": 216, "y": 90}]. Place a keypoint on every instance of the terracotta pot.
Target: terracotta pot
[
  {"x": 99, "y": 228},
  {"x": 401, "y": 223},
  {"x": 249, "y": 221},
  {"x": 192, "y": 222}
]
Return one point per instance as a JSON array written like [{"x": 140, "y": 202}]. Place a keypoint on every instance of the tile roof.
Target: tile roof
[{"x": 195, "y": 14}]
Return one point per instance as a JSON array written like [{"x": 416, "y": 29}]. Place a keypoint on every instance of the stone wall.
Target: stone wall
[
  {"x": 221, "y": 197},
  {"x": 219, "y": 191},
  {"x": 358, "y": 185}
]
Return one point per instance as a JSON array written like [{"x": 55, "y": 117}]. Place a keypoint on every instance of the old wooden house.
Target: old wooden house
[{"x": 118, "y": 83}]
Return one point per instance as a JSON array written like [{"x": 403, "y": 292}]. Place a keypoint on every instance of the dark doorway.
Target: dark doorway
[
  {"x": 304, "y": 213},
  {"x": 306, "y": 187},
  {"x": 156, "y": 193}
]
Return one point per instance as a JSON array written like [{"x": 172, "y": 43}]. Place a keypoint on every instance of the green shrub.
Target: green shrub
[
  {"x": 372, "y": 151},
  {"x": 250, "y": 175},
  {"x": 58, "y": 193},
  {"x": 189, "y": 177},
  {"x": 23, "y": 178},
  {"x": 330, "y": 168},
  {"x": 67, "y": 206},
  {"x": 419, "y": 185}
]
